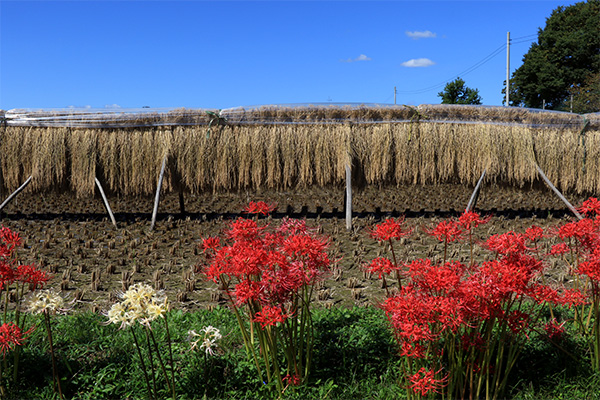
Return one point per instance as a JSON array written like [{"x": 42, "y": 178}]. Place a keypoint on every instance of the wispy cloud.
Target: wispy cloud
[
  {"x": 418, "y": 62},
  {"x": 362, "y": 57},
  {"x": 420, "y": 34}
]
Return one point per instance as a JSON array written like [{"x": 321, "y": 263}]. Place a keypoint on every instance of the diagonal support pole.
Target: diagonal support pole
[
  {"x": 16, "y": 192},
  {"x": 559, "y": 194},
  {"x": 475, "y": 195},
  {"x": 348, "y": 198},
  {"x": 110, "y": 213},
  {"x": 157, "y": 197}
]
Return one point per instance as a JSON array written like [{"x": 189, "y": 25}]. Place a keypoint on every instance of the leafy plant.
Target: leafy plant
[
  {"x": 460, "y": 328},
  {"x": 142, "y": 304},
  {"x": 15, "y": 281},
  {"x": 268, "y": 276}
]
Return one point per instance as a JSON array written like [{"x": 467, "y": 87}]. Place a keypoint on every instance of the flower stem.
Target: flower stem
[{"x": 54, "y": 369}]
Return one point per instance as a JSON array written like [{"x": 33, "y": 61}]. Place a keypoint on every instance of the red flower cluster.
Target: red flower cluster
[
  {"x": 424, "y": 381},
  {"x": 10, "y": 270},
  {"x": 260, "y": 207},
  {"x": 446, "y": 231},
  {"x": 10, "y": 337},
  {"x": 390, "y": 229},
  {"x": 582, "y": 238},
  {"x": 266, "y": 268},
  {"x": 448, "y": 308},
  {"x": 270, "y": 316},
  {"x": 470, "y": 220},
  {"x": 590, "y": 207}
]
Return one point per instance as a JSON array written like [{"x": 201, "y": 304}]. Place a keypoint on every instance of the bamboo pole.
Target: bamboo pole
[
  {"x": 348, "y": 198},
  {"x": 110, "y": 213},
  {"x": 16, "y": 192},
  {"x": 545, "y": 178},
  {"x": 475, "y": 195},
  {"x": 157, "y": 197}
]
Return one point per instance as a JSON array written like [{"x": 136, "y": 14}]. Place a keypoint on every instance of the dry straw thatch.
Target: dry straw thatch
[{"x": 290, "y": 147}]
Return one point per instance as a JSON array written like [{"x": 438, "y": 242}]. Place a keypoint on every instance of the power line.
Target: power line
[
  {"x": 472, "y": 68},
  {"x": 463, "y": 73}
]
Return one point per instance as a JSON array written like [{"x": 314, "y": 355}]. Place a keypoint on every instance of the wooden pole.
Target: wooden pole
[
  {"x": 181, "y": 202},
  {"x": 16, "y": 192},
  {"x": 545, "y": 178},
  {"x": 348, "y": 198},
  {"x": 110, "y": 213},
  {"x": 157, "y": 197},
  {"x": 475, "y": 195}
]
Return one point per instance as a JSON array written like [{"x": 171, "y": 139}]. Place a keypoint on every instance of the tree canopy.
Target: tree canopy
[
  {"x": 563, "y": 61},
  {"x": 456, "y": 92}
]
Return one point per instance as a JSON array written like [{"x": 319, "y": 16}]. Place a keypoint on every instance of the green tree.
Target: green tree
[
  {"x": 566, "y": 55},
  {"x": 585, "y": 98},
  {"x": 456, "y": 92}
]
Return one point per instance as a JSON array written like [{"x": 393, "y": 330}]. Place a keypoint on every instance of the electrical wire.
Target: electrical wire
[
  {"x": 463, "y": 73},
  {"x": 472, "y": 68}
]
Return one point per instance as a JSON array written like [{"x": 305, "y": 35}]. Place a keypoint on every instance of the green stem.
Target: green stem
[
  {"x": 396, "y": 265},
  {"x": 137, "y": 346},
  {"x": 151, "y": 360},
  {"x": 170, "y": 384},
  {"x": 54, "y": 369},
  {"x": 170, "y": 355}
]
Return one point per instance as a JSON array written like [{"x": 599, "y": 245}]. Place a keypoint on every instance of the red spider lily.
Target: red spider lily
[
  {"x": 7, "y": 275},
  {"x": 293, "y": 380},
  {"x": 585, "y": 231},
  {"x": 508, "y": 243},
  {"x": 10, "y": 337},
  {"x": 244, "y": 229},
  {"x": 446, "y": 231},
  {"x": 567, "y": 297},
  {"x": 412, "y": 314},
  {"x": 424, "y": 381},
  {"x": 560, "y": 248},
  {"x": 380, "y": 266},
  {"x": 534, "y": 233},
  {"x": 306, "y": 247},
  {"x": 210, "y": 243},
  {"x": 245, "y": 291},
  {"x": 413, "y": 350},
  {"x": 9, "y": 238},
  {"x": 554, "y": 330},
  {"x": 389, "y": 229},
  {"x": 260, "y": 207},
  {"x": 511, "y": 275},
  {"x": 590, "y": 207},
  {"x": 470, "y": 220},
  {"x": 433, "y": 278},
  {"x": 294, "y": 226},
  {"x": 270, "y": 316},
  {"x": 590, "y": 268},
  {"x": 31, "y": 275},
  {"x": 517, "y": 320}
]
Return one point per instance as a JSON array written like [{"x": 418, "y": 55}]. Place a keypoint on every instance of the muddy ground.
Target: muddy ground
[{"x": 90, "y": 260}]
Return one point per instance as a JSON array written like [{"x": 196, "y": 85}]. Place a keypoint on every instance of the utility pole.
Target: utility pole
[
  {"x": 394, "y": 95},
  {"x": 507, "y": 66},
  {"x": 571, "y": 102}
]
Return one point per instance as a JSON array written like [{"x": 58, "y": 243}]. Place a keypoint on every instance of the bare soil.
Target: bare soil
[{"x": 89, "y": 259}]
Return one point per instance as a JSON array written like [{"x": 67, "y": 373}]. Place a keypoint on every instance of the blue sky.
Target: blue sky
[{"x": 221, "y": 54}]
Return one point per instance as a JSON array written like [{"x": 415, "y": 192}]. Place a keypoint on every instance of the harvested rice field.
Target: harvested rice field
[
  {"x": 418, "y": 162},
  {"x": 90, "y": 260}
]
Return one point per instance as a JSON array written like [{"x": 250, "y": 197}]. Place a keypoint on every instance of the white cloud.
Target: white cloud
[
  {"x": 420, "y": 34},
  {"x": 362, "y": 57},
  {"x": 418, "y": 62}
]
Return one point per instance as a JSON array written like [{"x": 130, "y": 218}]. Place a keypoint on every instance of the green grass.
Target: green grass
[{"x": 354, "y": 358}]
